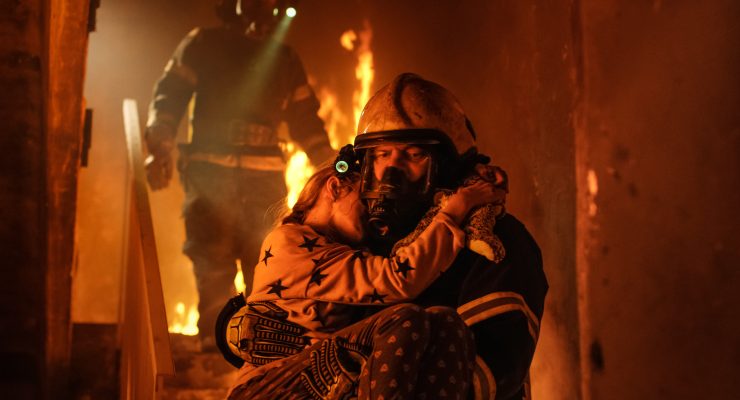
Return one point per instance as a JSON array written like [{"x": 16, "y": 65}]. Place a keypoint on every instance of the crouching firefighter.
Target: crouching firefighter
[{"x": 415, "y": 140}]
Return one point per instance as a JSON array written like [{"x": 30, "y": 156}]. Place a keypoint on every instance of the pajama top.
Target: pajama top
[{"x": 319, "y": 281}]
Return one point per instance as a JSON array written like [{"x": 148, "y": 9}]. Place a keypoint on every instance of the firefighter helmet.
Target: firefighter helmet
[
  {"x": 417, "y": 111},
  {"x": 257, "y": 17}
]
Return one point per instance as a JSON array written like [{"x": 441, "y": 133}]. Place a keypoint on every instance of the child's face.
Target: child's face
[{"x": 348, "y": 218}]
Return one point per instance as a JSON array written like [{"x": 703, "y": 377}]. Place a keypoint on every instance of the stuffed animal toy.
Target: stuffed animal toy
[{"x": 480, "y": 223}]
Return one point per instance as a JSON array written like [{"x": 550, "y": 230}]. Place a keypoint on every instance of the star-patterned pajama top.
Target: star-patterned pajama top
[{"x": 317, "y": 280}]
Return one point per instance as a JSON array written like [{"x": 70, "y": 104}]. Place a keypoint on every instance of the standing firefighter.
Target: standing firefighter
[
  {"x": 416, "y": 139},
  {"x": 239, "y": 83}
]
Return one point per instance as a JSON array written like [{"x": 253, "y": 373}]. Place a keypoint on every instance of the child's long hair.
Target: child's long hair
[{"x": 310, "y": 193}]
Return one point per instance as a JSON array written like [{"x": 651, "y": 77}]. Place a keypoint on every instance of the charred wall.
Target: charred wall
[{"x": 22, "y": 196}]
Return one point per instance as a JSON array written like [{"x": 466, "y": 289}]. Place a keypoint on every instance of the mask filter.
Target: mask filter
[{"x": 387, "y": 202}]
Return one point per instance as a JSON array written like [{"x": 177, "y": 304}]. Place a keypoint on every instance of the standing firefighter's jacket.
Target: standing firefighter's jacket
[{"x": 243, "y": 89}]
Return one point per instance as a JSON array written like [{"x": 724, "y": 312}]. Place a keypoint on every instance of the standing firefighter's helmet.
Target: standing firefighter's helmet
[{"x": 255, "y": 17}]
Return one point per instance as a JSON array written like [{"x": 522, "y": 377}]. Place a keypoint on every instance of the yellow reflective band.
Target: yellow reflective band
[
  {"x": 156, "y": 117},
  {"x": 484, "y": 385},
  {"x": 497, "y": 303},
  {"x": 183, "y": 71}
]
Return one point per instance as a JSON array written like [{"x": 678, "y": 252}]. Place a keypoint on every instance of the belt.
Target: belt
[
  {"x": 243, "y": 133},
  {"x": 245, "y": 161}
]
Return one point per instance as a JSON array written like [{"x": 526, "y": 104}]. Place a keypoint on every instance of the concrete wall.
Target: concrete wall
[{"x": 659, "y": 231}]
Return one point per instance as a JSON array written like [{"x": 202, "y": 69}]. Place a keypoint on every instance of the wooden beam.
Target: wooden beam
[{"x": 142, "y": 213}]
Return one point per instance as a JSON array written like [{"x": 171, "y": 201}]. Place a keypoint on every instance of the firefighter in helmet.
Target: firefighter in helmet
[
  {"x": 239, "y": 84},
  {"x": 415, "y": 139}
]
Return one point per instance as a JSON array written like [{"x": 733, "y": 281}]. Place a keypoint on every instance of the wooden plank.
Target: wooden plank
[
  {"x": 138, "y": 360},
  {"x": 141, "y": 209}
]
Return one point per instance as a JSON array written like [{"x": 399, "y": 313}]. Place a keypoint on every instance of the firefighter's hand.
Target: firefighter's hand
[
  {"x": 158, "y": 170},
  {"x": 262, "y": 333},
  {"x": 159, "y": 164}
]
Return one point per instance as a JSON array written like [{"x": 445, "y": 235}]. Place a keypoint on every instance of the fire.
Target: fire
[
  {"x": 239, "y": 278},
  {"x": 185, "y": 324},
  {"x": 299, "y": 168},
  {"x": 333, "y": 117},
  {"x": 365, "y": 70},
  {"x": 298, "y": 171}
]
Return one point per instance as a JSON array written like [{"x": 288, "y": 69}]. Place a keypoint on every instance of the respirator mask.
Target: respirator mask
[{"x": 395, "y": 204}]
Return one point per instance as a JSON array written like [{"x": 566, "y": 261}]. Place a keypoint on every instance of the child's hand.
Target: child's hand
[{"x": 468, "y": 197}]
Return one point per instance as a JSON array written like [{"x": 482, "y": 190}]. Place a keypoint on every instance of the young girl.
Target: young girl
[{"x": 300, "y": 335}]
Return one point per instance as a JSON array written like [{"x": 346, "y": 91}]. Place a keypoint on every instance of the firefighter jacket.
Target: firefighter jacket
[
  {"x": 241, "y": 89},
  {"x": 320, "y": 282},
  {"x": 502, "y": 303}
]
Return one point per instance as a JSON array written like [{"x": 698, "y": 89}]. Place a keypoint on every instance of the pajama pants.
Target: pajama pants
[{"x": 402, "y": 352}]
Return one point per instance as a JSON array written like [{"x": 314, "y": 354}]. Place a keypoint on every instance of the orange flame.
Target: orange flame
[
  {"x": 298, "y": 171},
  {"x": 332, "y": 115},
  {"x": 365, "y": 70},
  {"x": 185, "y": 324},
  {"x": 239, "y": 278},
  {"x": 299, "y": 168}
]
